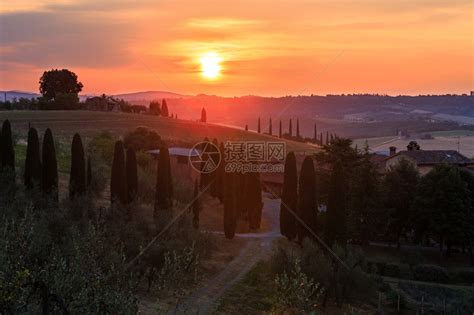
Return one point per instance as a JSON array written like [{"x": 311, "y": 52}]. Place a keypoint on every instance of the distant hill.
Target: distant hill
[
  {"x": 11, "y": 95},
  {"x": 139, "y": 97}
]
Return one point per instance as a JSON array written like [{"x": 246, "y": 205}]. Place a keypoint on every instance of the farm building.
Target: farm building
[
  {"x": 425, "y": 160},
  {"x": 179, "y": 161}
]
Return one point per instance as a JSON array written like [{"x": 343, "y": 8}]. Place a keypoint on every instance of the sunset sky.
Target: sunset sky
[{"x": 262, "y": 47}]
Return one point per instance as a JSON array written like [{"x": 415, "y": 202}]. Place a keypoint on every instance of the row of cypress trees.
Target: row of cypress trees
[
  {"x": 300, "y": 199},
  {"x": 124, "y": 177},
  {"x": 41, "y": 167}
]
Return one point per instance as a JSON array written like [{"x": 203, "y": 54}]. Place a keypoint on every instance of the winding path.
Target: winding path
[{"x": 205, "y": 299}]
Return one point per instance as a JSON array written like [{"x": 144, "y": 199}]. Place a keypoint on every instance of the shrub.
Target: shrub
[
  {"x": 296, "y": 290},
  {"x": 463, "y": 276},
  {"x": 142, "y": 139},
  {"x": 431, "y": 273}
]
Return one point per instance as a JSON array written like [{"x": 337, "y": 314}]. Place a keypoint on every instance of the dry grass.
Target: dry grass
[{"x": 89, "y": 123}]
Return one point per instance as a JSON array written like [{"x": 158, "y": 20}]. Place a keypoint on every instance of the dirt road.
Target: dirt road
[{"x": 205, "y": 299}]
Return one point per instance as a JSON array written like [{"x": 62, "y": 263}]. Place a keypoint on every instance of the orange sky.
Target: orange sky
[{"x": 267, "y": 47}]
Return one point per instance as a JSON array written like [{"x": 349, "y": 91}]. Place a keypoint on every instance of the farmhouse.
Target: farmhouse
[{"x": 425, "y": 160}]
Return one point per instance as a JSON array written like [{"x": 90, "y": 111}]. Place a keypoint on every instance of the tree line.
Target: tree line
[{"x": 343, "y": 197}]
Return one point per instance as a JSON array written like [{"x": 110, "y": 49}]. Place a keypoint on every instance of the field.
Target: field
[
  {"x": 443, "y": 140},
  {"x": 88, "y": 123}
]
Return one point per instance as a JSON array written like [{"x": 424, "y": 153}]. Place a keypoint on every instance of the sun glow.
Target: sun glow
[{"x": 210, "y": 65}]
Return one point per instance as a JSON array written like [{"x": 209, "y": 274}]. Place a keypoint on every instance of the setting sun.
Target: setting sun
[{"x": 210, "y": 65}]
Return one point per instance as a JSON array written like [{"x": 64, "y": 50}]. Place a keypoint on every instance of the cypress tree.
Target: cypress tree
[
  {"x": 132, "y": 176},
  {"x": 32, "y": 175},
  {"x": 279, "y": 132},
  {"x": 164, "y": 188},
  {"x": 77, "y": 178},
  {"x": 290, "y": 129},
  {"x": 220, "y": 174},
  {"x": 215, "y": 161},
  {"x": 289, "y": 198},
  {"x": 49, "y": 174},
  {"x": 246, "y": 127},
  {"x": 164, "y": 109},
  {"x": 327, "y": 137},
  {"x": 230, "y": 209},
  {"x": 196, "y": 205},
  {"x": 254, "y": 198},
  {"x": 321, "y": 138},
  {"x": 315, "y": 137},
  {"x": 118, "y": 181},
  {"x": 205, "y": 175},
  {"x": 297, "y": 128},
  {"x": 270, "y": 128},
  {"x": 307, "y": 204},
  {"x": 258, "y": 126},
  {"x": 336, "y": 213},
  {"x": 7, "y": 151},
  {"x": 203, "y": 115},
  {"x": 89, "y": 173}
]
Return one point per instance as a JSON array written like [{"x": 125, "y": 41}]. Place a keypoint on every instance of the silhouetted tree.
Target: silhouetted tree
[
  {"x": 196, "y": 205},
  {"x": 327, "y": 137},
  {"x": 258, "y": 126},
  {"x": 246, "y": 127},
  {"x": 49, "y": 175},
  {"x": 290, "y": 129},
  {"x": 297, "y": 128},
  {"x": 32, "y": 175},
  {"x": 279, "y": 131},
  {"x": 118, "y": 180},
  {"x": 6, "y": 144},
  {"x": 253, "y": 196},
  {"x": 56, "y": 82},
  {"x": 270, "y": 132},
  {"x": 164, "y": 109},
  {"x": 221, "y": 173},
  {"x": 230, "y": 202},
  {"x": 336, "y": 211},
  {"x": 289, "y": 198},
  {"x": 77, "y": 178},
  {"x": 132, "y": 176},
  {"x": 413, "y": 146},
  {"x": 307, "y": 203},
  {"x": 321, "y": 138},
  {"x": 89, "y": 173},
  {"x": 203, "y": 115},
  {"x": 315, "y": 137},
  {"x": 213, "y": 174},
  {"x": 154, "y": 108},
  {"x": 399, "y": 191},
  {"x": 164, "y": 188}
]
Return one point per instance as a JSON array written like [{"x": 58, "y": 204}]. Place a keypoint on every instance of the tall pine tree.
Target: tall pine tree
[
  {"x": 258, "y": 126},
  {"x": 336, "y": 208},
  {"x": 77, "y": 178},
  {"x": 279, "y": 131},
  {"x": 289, "y": 198},
  {"x": 307, "y": 203},
  {"x": 132, "y": 176},
  {"x": 49, "y": 174},
  {"x": 118, "y": 180},
  {"x": 32, "y": 175},
  {"x": 270, "y": 131},
  {"x": 230, "y": 202},
  {"x": 164, "y": 188},
  {"x": 203, "y": 115},
  {"x": 290, "y": 129},
  {"x": 164, "y": 109},
  {"x": 8, "y": 154},
  {"x": 196, "y": 205},
  {"x": 297, "y": 128}
]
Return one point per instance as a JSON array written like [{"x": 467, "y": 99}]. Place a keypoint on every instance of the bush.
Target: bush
[
  {"x": 432, "y": 273},
  {"x": 463, "y": 276},
  {"x": 142, "y": 139},
  {"x": 386, "y": 269}
]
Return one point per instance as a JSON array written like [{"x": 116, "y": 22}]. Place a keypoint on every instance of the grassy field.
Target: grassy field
[
  {"x": 87, "y": 123},
  {"x": 443, "y": 140}
]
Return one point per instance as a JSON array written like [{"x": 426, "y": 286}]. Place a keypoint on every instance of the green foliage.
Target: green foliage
[
  {"x": 431, "y": 273},
  {"x": 49, "y": 174},
  {"x": 307, "y": 203},
  {"x": 400, "y": 187},
  {"x": 32, "y": 175},
  {"x": 132, "y": 175},
  {"x": 118, "y": 181},
  {"x": 142, "y": 139},
  {"x": 296, "y": 290},
  {"x": 56, "y": 82},
  {"x": 62, "y": 101},
  {"x": 336, "y": 224},
  {"x": 289, "y": 198},
  {"x": 77, "y": 176}
]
